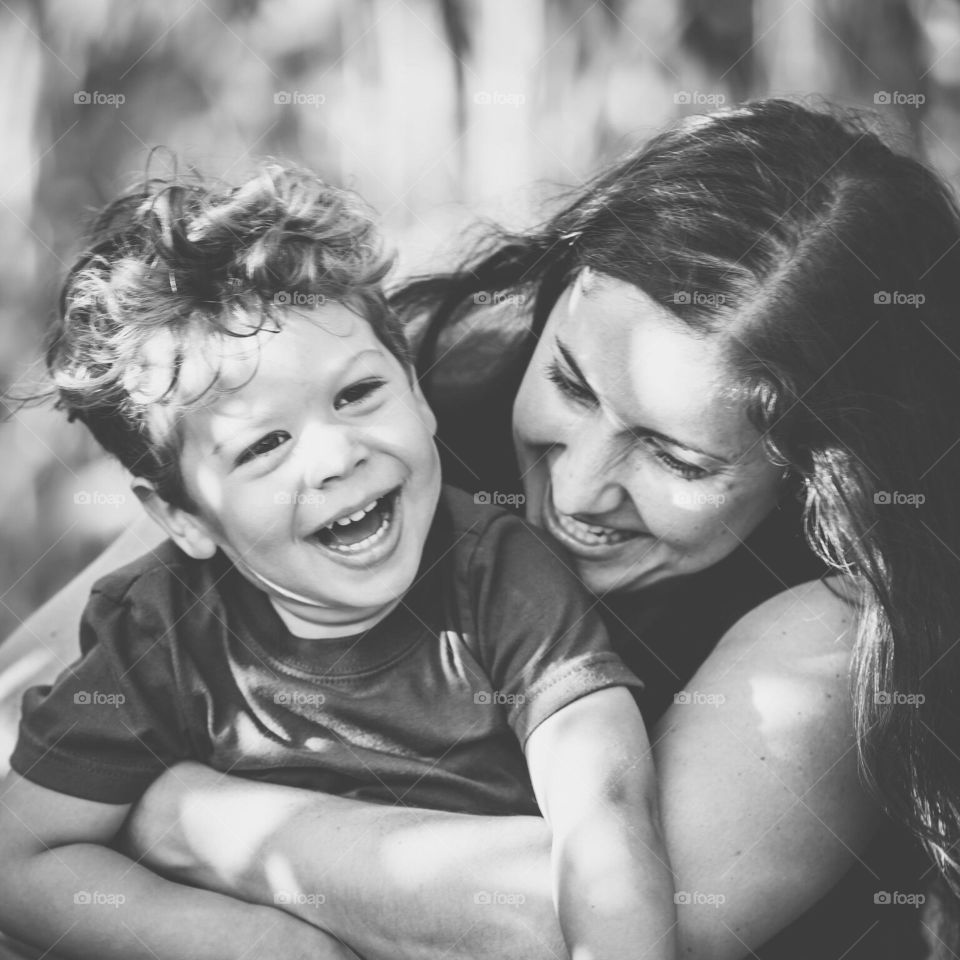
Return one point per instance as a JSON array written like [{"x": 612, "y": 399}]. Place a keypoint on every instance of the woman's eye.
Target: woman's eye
[
  {"x": 683, "y": 469},
  {"x": 569, "y": 388},
  {"x": 263, "y": 446},
  {"x": 358, "y": 392}
]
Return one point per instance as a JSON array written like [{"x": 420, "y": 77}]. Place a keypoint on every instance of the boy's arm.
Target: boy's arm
[
  {"x": 63, "y": 890},
  {"x": 592, "y": 771}
]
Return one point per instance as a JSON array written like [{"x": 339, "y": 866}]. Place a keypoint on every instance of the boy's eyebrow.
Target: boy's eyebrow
[
  {"x": 217, "y": 448},
  {"x": 673, "y": 441}
]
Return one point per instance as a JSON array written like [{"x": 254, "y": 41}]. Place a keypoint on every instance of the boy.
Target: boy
[{"x": 322, "y": 614}]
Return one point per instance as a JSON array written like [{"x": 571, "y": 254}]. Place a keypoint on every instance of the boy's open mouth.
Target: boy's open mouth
[{"x": 361, "y": 529}]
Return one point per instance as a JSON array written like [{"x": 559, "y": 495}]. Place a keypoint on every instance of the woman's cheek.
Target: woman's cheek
[
  {"x": 687, "y": 518},
  {"x": 745, "y": 503},
  {"x": 703, "y": 517}
]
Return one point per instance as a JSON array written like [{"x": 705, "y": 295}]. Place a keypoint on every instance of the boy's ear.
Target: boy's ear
[{"x": 187, "y": 531}]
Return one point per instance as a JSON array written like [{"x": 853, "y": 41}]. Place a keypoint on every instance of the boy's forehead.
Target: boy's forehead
[
  {"x": 213, "y": 361},
  {"x": 246, "y": 374}
]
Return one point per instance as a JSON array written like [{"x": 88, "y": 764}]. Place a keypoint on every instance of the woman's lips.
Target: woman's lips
[{"x": 583, "y": 538}]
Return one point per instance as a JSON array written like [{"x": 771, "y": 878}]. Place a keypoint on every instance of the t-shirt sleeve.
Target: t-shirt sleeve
[
  {"x": 539, "y": 636},
  {"x": 109, "y": 725}
]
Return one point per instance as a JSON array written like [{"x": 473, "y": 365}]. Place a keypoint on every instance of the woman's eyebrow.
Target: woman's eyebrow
[{"x": 647, "y": 431}]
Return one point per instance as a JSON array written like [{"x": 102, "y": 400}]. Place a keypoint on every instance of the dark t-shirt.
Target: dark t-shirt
[
  {"x": 185, "y": 659},
  {"x": 665, "y": 632}
]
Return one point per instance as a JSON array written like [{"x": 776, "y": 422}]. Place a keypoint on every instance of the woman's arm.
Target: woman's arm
[
  {"x": 63, "y": 889},
  {"x": 759, "y": 793},
  {"x": 761, "y": 797}
]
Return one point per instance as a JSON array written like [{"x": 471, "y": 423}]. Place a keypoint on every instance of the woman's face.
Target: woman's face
[{"x": 634, "y": 456}]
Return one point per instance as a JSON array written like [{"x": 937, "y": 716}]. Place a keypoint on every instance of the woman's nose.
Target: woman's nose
[
  {"x": 584, "y": 474},
  {"x": 332, "y": 452}
]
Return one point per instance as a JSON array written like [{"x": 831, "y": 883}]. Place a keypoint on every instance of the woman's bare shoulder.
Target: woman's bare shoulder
[
  {"x": 789, "y": 661},
  {"x": 817, "y": 616}
]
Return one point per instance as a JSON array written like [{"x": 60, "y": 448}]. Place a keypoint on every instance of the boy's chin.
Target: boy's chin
[
  {"x": 314, "y": 621},
  {"x": 374, "y": 598}
]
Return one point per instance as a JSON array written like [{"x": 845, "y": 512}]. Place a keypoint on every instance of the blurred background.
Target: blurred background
[{"x": 437, "y": 111}]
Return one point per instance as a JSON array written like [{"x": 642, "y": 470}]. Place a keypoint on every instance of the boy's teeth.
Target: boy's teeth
[{"x": 353, "y": 517}]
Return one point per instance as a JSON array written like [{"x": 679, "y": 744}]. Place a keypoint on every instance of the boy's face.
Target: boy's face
[{"x": 318, "y": 477}]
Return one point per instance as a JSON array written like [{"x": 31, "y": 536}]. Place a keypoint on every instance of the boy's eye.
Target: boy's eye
[
  {"x": 358, "y": 392},
  {"x": 263, "y": 446},
  {"x": 570, "y": 388}
]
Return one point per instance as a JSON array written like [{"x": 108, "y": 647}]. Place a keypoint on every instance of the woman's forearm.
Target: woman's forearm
[
  {"x": 393, "y": 882},
  {"x": 82, "y": 900}
]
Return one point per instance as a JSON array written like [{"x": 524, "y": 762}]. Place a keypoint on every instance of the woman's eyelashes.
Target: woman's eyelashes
[
  {"x": 266, "y": 444},
  {"x": 680, "y": 467},
  {"x": 573, "y": 389},
  {"x": 579, "y": 392}
]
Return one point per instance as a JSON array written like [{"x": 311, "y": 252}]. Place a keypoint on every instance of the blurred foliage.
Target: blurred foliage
[{"x": 436, "y": 110}]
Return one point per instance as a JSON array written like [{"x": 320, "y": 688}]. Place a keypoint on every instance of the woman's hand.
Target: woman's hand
[{"x": 760, "y": 798}]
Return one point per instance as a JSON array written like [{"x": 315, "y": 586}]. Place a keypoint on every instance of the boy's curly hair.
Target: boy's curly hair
[{"x": 179, "y": 263}]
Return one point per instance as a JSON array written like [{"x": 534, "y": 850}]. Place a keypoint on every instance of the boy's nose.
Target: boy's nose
[{"x": 332, "y": 453}]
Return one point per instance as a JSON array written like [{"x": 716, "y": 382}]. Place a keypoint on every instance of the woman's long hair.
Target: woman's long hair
[{"x": 830, "y": 266}]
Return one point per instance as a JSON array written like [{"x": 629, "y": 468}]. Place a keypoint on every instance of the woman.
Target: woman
[{"x": 728, "y": 368}]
